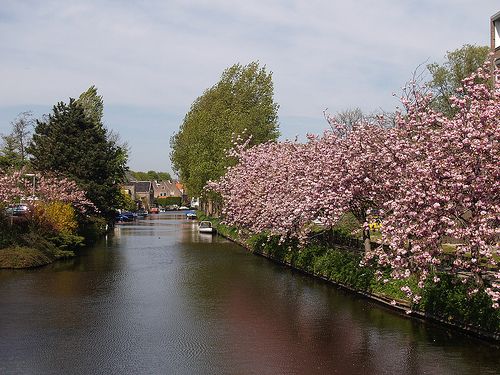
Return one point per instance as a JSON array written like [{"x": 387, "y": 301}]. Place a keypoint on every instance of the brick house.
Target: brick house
[
  {"x": 165, "y": 189},
  {"x": 144, "y": 193},
  {"x": 140, "y": 191}
]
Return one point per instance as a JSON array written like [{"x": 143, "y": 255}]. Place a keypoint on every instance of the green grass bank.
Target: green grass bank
[{"x": 24, "y": 244}]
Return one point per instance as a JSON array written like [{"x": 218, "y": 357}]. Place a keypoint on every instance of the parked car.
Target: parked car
[
  {"x": 122, "y": 218},
  {"x": 130, "y": 215},
  {"x": 20, "y": 210}
]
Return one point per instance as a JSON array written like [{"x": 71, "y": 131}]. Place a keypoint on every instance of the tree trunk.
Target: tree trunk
[{"x": 367, "y": 240}]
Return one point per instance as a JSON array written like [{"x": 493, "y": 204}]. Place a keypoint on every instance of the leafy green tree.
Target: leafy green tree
[
  {"x": 151, "y": 176},
  {"x": 127, "y": 203},
  {"x": 93, "y": 107},
  {"x": 71, "y": 144},
  {"x": 447, "y": 78},
  {"x": 13, "y": 152},
  {"x": 9, "y": 155},
  {"x": 92, "y": 104},
  {"x": 241, "y": 103},
  {"x": 163, "y": 176}
]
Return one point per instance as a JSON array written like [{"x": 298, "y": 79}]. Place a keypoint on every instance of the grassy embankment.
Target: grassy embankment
[
  {"x": 448, "y": 301},
  {"x": 25, "y": 244}
]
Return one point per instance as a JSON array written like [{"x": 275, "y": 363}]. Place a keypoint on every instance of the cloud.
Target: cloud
[{"x": 163, "y": 54}]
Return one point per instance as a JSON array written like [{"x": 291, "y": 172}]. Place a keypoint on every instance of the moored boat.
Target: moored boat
[{"x": 206, "y": 227}]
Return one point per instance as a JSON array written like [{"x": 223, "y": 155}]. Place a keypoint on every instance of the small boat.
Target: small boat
[
  {"x": 206, "y": 227},
  {"x": 191, "y": 215}
]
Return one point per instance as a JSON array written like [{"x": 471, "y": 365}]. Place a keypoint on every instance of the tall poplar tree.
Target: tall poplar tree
[{"x": 241, "y": 103}]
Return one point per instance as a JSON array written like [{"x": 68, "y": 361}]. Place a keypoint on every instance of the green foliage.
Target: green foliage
[
  {"x": 344, "y": 267},
  {"x": 32, "y": 242},
  {"x": 7, "y": 234},
  {"x": 57, "y": 224},
  {"x": 72, "y": 145},
  {"x": 450, "y": 300},
  {"x": 348, "y": 224},
  {"x": 392, "y": 288},
  {"x": 127, "y": 203},
  {"x": 13, "y": 152},
  {"x": 92, "y": 104},
  {"x": 66, "y": 243},
  {"x": 9, "y": 155},
  {"x": 169, "y": 201},
  {"x": 241, "y": 103},
  {"x": 55, "y": 217},
  {"x": 446, "y": 78},
  {"x": 23, "y": 257},
  {"x": 92, "y": 228},
  {"x": 151, "y": 176}
]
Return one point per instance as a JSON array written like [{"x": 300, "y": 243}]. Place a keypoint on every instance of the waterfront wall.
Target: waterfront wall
[{"x": 447, "y": 302}]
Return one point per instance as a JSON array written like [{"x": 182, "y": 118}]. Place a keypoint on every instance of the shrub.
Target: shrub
[
  {"x": 55, "y": 217},
  {"x": 169, "y": 201},
  {"x": 92, "y": 227},
  {"x": 450, "y": 299},
  {"x": 22, "y": 257}
]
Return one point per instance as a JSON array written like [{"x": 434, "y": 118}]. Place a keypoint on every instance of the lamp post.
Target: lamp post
[{"x": 33, "y": 191}]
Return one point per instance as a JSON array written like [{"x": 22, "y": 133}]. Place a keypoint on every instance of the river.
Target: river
[{"x": 156, "y": 297}]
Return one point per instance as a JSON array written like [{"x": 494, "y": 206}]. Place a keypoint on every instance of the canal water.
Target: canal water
[{"x": 157, "y": 297}]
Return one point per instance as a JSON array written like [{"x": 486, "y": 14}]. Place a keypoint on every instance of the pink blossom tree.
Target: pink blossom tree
[
  {"x": 448, "y": 188},
  {"x": 15, "y": 186},
  {"x": 10, "y": 187},
  {"x": 436, "y": 178}
]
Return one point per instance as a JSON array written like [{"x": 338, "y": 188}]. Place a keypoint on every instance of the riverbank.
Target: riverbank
[
  {"x": 24, "y": 244},
  {"x": 447, "y": 302},
  {"x": 18, "y": 257}
]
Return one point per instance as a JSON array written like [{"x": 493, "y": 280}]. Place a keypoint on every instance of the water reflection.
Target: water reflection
[{"x": 159, "y": 297}]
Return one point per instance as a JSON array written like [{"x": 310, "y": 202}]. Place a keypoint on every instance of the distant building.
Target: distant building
[
  {"x": 140, "y": 191},
  {"x": 164, "y": 189},
  {"x": 144, "y": 193},
  {"x": 495, "y": 38}
]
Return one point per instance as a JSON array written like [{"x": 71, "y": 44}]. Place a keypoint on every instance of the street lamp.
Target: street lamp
[{"x": 34, "y": 176}]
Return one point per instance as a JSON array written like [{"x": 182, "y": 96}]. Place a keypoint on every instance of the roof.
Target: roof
[
  {"x": 166, "y": 187},
  {"x": 496, "y": 16},
  {"x": 142, "y": 186}
]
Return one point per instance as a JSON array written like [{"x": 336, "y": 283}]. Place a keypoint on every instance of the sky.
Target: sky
[{"x": 151, "y": 59}]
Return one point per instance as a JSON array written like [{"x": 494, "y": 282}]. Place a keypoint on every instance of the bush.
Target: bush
[
  {"x": 55, "y": 217},
  {"x": 22, "y": 257},
  {"x": 92, "y": 227},
  {"x": 450, "y": 300},
  {"x": 126, "y": 202},
  {"x": 169, "y": 201}
]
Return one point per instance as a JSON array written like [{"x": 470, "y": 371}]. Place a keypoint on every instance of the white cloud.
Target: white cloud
[{"x": 163, "y": 54}]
